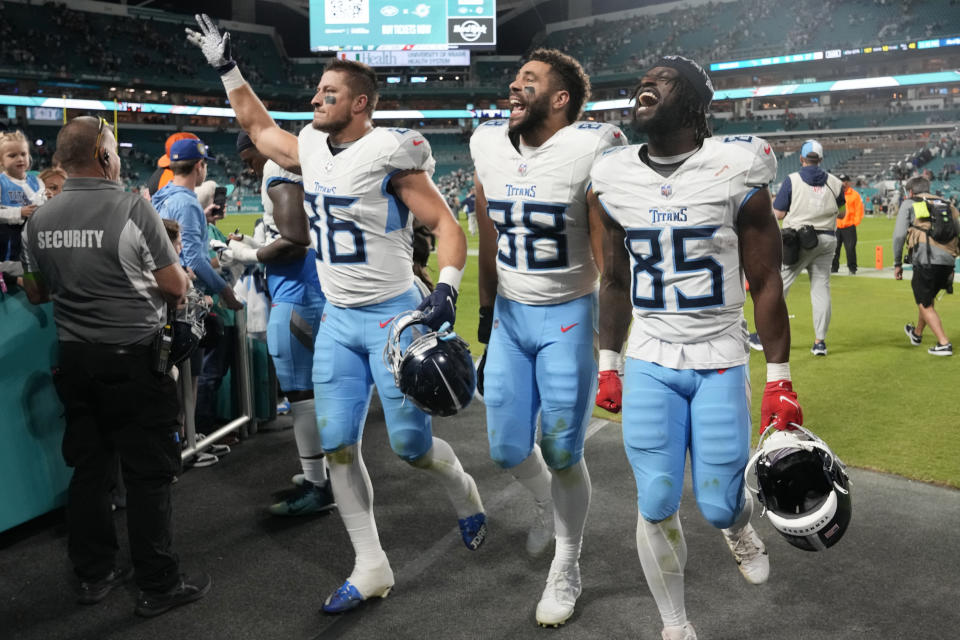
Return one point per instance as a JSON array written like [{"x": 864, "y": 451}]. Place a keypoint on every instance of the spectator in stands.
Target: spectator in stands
[
  {"x": 847, "y": 227},
  {"x": 933, "y": 262},
  {"x": 813, "y": 199},
  {"x": 163, "y": 173},
  {"x": 53, "y": 179},
  {"x": 117, "y": 398},
  {"x": 20, "y": 195}
]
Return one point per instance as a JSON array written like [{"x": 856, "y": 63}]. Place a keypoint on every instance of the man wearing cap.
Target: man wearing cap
[
  {"x": 178, "y": 201},
  {"x": 810, "y": 201},
  {"x": 693, "y": 219},
  {"x": 162, "y": 175},
  {"x": 847, "y": 227}
]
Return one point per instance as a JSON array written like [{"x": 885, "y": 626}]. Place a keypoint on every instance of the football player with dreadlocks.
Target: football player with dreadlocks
[{"x": 692, "y": 220}]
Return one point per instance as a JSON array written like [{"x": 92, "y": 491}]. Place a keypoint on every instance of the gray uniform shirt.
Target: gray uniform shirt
[
  {"x": 905, "y": 218},
  {"x": 96, "y": 247}
]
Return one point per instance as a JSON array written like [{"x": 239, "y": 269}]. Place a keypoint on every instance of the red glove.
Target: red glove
[
  {"x": 609, "y": 391},
  {"x": 780, "y": 408}
]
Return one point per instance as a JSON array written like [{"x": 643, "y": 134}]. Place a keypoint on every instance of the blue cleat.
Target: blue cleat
[
  {"x": 348, "y": 597},
  {"x": 473, "y": 530}
]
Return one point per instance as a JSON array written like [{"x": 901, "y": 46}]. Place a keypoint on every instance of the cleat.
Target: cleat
[
  {"x": 542, "y": 531},
  {"x": 559, "y": 597},
  {"x": 306, "y": 499},
  {"x": 283, "y": 408},
  {"x": 911, "y": 332},
  {"x": 941, "y": 349},
  {"x": 750, "y": 554},
  {"x": 348, "y": 596},
  {"x": 754, "y": 341},
  {"x": 819, "y": 349},
  {"x": 473, "y": 530},
  {"x": 94, "y": 592},
  {"x": 685, "y": 632}
]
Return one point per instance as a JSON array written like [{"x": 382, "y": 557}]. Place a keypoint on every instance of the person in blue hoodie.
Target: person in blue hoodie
[
  {"x": 810, "y": 201},
  {"x": 178, "y": 201}
]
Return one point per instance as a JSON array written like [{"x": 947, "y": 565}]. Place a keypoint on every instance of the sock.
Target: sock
[
  {"x": 354, "y": 494},
  {"x": 534, "y": 474},
  {"x": 743, "y": 519},
  {"x": 571, "y": 501},
  {"x": 663, "y": 555},
  {"x": 307, "y": 435},
  {"x": 442, "y": 463}
]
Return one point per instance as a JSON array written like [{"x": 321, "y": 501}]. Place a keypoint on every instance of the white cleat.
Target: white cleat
[
  {"x": 750, "y": 554},
  {"x": 542, "y": 532},
  {"x": 685, "y": 632},
  {"x": 559, "y": 597}
]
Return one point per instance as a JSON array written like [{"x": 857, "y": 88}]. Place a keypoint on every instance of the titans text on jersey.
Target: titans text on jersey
[
  {"x": 684, "y": 249},
  {"x": 538, "y": 204}
]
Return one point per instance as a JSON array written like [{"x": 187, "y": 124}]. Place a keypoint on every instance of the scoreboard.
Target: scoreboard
[{"x": 397, "y": 25}]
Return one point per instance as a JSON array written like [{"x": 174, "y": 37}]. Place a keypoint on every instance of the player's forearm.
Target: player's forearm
[
  {"x": 617, "y": 312},
  {"x": 487, "y": 263},
  {"x": 771, "y": 320},
  {"x": 451, "y": 244},
  {"x": 281, "y": 250},
  {"x": 252, "y": 115}
]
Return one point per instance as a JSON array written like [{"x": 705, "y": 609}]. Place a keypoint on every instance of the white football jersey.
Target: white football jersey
[
  {"x": 365, "y": 233},
  {"x": 272, "y": 174},
  {"x": 538, "y": 204},
  {"x": 687, "y": 283}
]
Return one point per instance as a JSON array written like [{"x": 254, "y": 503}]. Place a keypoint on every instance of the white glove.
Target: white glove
[
  {"x": 243, "y": 253},
  {"x": 215, "y": 47}
]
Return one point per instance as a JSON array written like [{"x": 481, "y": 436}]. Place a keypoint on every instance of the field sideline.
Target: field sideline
[{"x": 879, "y": 402}]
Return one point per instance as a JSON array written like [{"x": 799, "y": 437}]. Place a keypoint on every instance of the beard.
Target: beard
[
  {"x": 536, "y": 114},
  {"x": 666, "y": 119},
  {"x": 332, "y": 127}
]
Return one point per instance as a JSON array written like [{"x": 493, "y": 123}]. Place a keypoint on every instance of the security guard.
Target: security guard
[{"x": 102, "y": 256}]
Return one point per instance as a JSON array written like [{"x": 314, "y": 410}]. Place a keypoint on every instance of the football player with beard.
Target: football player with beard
[
  {"x": 363, "y": 183},
  {"x": 681, "y": 233},
  {"x": 538, "y": 284}
]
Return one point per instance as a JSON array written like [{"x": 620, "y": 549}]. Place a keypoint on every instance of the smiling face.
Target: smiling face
[
  {"x": 15, "y": 158},
  {"x": 332, "y": 104},
  {"x": 656, "y": 109},
  {"x": 530, "y": 96}
]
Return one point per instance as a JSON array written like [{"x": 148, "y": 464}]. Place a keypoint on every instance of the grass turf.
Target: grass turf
[{"x": 878, "y": 401}]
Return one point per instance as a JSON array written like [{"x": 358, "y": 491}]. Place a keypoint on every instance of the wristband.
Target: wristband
[
  {"x": 451, "y": 276},
  {"x": 610, "y": 360},
  {"x": 778, "y": 371},
  {"x": 232, "y": 79}
]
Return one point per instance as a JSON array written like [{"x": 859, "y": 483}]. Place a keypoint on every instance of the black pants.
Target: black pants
[
  {"x": 846, "y": 238},
  {"x": 116, "y": 407}
]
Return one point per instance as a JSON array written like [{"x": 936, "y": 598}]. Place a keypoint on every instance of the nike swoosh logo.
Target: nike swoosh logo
[
  {"x": 417, "y": 143},
  {"x": 565, "y": 329},
  {"x": 386, "y": 322}
]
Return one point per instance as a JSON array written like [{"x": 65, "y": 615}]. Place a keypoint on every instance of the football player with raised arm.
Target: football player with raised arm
[
  {"x": 363, "y": 182},
  {"x": 538, "y": 296},
  {"x": 290, "y": 255},
  {"x": 691, "y": 221}
]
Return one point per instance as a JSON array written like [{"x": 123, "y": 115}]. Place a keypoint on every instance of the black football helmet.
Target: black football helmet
[
  {"x": 435, "y": 371},
  {"x": 803, "y": 487},
  {"x": 188, "y": 327}
]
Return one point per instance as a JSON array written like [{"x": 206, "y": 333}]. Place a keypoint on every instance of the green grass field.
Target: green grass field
[{"x": 879, "y": 402}]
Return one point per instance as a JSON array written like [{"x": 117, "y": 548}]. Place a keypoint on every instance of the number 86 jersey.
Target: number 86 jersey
[
  {"x": 681, "y": 233},
  {"x": 537, "y": 202}
]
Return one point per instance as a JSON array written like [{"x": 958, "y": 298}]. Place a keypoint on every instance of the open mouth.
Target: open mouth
[
  {"x": 647, "y": 99},
  {"x": 517, "y": 107}
]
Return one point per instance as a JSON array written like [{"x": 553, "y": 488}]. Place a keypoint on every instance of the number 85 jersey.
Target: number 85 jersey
[
  {"x": 681, "y": 233},
  {"x": 537, "y": 203}
]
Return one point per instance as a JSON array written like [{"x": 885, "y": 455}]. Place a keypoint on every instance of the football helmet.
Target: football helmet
[
  {"x": 435, "y": 370},
  {"x": 188, "y": 327},
  {"x": 803, "y": 487}
]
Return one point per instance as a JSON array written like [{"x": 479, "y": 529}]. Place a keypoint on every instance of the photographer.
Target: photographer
[
  {"x": 102, "y": 256},
  {"x": 932, "y": 260}
]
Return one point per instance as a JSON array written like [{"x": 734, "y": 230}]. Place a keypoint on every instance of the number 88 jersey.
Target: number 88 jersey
[
  {"x": 537, "y": 203},
  {"x": 681, "y": 233}
]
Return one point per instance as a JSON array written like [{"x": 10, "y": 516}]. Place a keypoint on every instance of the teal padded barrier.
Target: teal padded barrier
[{"x": 33, "y": 475}]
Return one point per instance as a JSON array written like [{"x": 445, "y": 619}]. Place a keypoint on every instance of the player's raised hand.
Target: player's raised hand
[
  {"x": 780, "y": 408},
  {"x": 214, "y": 46}
]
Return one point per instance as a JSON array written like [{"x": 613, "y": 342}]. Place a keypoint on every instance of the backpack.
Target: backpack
[{"x": 937, "y": 212}]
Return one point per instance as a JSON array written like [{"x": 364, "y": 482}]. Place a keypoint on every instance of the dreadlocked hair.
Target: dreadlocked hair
[{"x": 693, "y": 114}]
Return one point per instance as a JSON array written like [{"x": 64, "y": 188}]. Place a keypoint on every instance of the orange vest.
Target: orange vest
[{"x": 854, "y": 210}]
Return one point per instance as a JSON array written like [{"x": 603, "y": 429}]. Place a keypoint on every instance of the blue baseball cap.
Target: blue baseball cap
[{"x": 188, "y": 150}]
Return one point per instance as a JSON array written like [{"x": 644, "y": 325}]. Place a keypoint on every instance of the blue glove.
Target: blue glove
[{"x": 439, "y": 307}]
